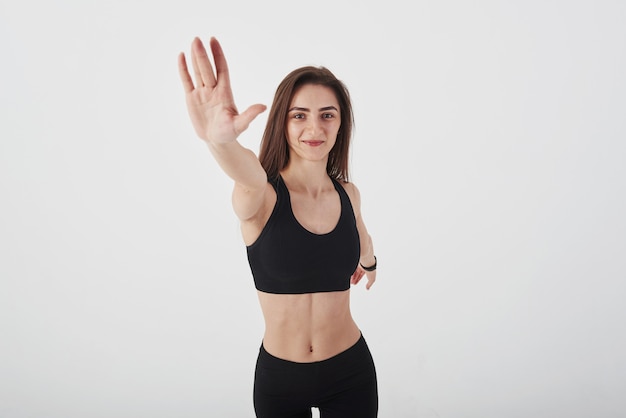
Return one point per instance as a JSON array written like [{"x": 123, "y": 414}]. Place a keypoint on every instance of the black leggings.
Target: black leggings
[{"x": 342, "y": 386}]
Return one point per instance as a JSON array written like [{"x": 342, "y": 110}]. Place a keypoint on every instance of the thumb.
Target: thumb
[{"x": 244, "y": 119}]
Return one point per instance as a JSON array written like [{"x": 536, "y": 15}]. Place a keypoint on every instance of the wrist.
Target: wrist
[{"x": 369, "y": 266}]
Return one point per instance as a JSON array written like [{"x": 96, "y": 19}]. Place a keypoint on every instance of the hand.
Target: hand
[
  {"x": 358, "y": 275},
  {"x": 210, "y": 101}
]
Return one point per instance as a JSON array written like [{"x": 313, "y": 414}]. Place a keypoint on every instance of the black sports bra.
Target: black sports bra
[{"x": 289, "y": 259}]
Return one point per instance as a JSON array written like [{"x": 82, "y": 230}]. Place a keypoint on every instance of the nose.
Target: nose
[{"x": 314, "y": 127}]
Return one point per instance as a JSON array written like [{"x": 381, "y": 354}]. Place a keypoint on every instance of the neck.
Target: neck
[{"x": 307, "y": 175}]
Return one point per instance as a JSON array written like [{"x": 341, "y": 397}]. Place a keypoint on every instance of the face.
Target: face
[{"x": 313, "y": 121}]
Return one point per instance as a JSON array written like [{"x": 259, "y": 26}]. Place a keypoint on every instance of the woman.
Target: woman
[{"x": 306, "y": 241}]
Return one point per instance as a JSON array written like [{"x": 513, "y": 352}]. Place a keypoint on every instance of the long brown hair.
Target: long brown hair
[{"x": 274, "y": 152}]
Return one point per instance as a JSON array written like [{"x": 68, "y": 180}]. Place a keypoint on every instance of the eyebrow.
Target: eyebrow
[{"x": 304, "y": 109}]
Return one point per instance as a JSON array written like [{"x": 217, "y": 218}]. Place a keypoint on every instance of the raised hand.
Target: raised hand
[{"x": 210, "y": 100}]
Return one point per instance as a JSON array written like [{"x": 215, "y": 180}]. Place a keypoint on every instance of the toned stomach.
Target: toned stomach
[{"x": 308, "y": 327}]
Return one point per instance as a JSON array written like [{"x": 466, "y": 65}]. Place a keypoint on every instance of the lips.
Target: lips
[{"x": 313, "y": 143}]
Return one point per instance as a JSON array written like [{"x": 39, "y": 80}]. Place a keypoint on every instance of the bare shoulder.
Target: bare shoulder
[
  {"x": 252, "y": 226},
  {"x": 353, "y": 193}
]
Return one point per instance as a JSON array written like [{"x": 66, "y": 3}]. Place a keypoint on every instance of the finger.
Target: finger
[
  {"x": 369, "y": 284},
  {"x": 201, "y": 64},
  {"x": 221, "y": 67},
  {"x": 357, "y": 276},
  {"x": 244, "y": 119},
  {"x": 183, "y": 71},
  {"x": 196, "y": 69}
]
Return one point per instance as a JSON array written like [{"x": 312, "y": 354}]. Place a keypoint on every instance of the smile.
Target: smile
[{"x": 313, "y": 143}]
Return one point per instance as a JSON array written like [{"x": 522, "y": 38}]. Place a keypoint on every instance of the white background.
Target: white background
[{"x": 489, "y": 151}]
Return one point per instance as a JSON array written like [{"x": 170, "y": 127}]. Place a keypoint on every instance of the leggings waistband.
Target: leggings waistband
[{"x": 357, "y": 348}]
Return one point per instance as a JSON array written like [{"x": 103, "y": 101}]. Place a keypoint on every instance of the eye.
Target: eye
[
  {"x": 328, "y": 116},
  {"x": 298, "y": 116}
]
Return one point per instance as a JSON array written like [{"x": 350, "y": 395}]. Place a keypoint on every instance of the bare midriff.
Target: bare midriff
[{"x": 308, "y": 327}]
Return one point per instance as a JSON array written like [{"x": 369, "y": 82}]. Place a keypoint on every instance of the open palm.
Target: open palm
[{"x": 210, "y": 102}]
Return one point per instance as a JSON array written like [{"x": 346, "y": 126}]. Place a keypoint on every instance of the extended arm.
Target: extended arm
[{"x": 217, "y": 121}]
